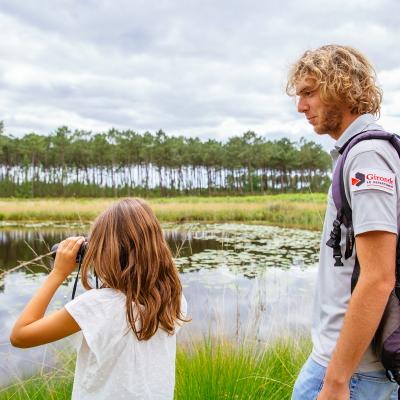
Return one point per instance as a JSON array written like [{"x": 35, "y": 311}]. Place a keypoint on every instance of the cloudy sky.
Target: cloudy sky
[{"x": 211, "y": 69}]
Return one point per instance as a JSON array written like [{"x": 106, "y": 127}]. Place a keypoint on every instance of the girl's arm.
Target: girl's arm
[{"x": 32, "y": 328}]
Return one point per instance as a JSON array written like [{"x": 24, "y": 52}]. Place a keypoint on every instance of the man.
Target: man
[{"x": 337, "y": 92}]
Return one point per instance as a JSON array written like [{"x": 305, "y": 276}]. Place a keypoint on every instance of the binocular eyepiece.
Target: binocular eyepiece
[{"x": 79, "y": 255}]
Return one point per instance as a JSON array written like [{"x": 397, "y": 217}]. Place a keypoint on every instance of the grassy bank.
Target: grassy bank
[
  {"x": 289, "y": 210},
  {"x": 224, "y": 371},
  {"x": 204, "y": 370}
]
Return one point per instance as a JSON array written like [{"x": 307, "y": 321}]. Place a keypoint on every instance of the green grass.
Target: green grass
[
  {"x": 209, "y": 369},
  {"x": 50, "y": 384},
  {"x": 223, "y": 370},
  {"x": 286, "y": 210}
]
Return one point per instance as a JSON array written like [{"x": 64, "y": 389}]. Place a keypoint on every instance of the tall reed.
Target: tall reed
[
  {"x": 206, "y": 369},
  {"x": 294, "y": 210}
]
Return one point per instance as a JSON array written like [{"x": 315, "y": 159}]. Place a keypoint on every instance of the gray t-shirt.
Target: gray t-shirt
[{"x": 375, "y": 206}]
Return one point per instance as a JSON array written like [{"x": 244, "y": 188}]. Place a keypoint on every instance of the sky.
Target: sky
[{"x": 211, "y": 69}]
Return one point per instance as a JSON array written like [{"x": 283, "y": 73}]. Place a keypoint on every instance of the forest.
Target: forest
[{"x": 116, "y": 163}]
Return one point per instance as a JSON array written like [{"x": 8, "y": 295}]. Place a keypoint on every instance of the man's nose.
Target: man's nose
[{"x": 302, "y": 105}]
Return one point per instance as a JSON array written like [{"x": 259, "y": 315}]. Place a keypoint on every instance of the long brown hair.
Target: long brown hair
[{"x": 128, "y": 252}]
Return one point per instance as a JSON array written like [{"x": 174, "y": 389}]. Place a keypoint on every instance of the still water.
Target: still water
[{"x": 243, "y": 281}]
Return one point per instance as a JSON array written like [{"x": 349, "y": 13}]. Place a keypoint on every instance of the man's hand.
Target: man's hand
[
  {"x": 65, "y": 261},
  {"x": 328, "y": 392}
]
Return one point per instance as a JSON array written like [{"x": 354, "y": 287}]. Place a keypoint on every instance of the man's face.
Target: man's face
[{"x": 325, "y": 118}]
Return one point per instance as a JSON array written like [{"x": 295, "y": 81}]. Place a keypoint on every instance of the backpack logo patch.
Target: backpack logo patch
[{"x": 378, "y": 179}]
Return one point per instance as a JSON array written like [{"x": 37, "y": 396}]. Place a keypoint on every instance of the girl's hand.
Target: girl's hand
[
  {"x": 32, "y": 328},
  {"x": 65, "y": 261}
]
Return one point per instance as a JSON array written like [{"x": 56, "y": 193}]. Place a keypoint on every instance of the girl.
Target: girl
[{"x": 129, "y": 324}]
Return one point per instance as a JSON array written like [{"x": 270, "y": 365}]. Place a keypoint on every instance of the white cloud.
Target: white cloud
[{"x": 210, "y": 69}]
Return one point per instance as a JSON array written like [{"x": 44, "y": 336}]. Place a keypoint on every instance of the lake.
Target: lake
[{"x": 245, "y": 281}]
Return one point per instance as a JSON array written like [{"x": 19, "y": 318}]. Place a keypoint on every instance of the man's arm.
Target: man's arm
[{"x": 376, "y": 252}]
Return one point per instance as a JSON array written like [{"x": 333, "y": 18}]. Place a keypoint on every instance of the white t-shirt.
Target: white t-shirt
[{"x": 111, "y": 362}]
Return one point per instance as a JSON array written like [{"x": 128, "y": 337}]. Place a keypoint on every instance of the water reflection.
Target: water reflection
[
  {"x": 24, "y": 245},
  {"x": 246, "y": 249},
  {"x": 215, "y": 261},
  {"x": 18, "y": 363},
  {"x": 276, "y": 303}
]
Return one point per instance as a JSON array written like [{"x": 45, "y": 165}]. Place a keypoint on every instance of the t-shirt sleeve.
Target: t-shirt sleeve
[
  {"x": 98, "y": 313},
  {"x": 184, "y": 307},
  {"x": 370, "y": 186}
]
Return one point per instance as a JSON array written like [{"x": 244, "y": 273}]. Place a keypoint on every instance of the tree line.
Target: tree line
[{"x": 125, "y": 163}]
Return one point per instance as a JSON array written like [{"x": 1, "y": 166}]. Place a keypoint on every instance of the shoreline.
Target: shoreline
[{"x": 304, "y": 211}]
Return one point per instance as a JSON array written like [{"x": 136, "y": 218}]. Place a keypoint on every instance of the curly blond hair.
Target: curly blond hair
[{"x": 342, "y": 74}]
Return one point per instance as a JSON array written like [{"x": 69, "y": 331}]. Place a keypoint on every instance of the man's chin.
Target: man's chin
[{"x": 319, "y": 131}]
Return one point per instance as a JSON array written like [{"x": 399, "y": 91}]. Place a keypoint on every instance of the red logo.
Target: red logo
[{"x": 358, "y": 180}]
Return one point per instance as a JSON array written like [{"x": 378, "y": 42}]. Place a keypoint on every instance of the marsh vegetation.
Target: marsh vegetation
[
  {"x": 287, "y": 210},
  {"x": 211, "y": 368}
]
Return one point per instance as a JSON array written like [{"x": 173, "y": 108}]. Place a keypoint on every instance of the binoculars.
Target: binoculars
[
  {"x": 79, "y": 258},
  {"x": 79, "y": 255}
]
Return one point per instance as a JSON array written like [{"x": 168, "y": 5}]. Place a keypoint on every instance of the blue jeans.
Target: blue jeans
[{"x": 363, "y": 386}]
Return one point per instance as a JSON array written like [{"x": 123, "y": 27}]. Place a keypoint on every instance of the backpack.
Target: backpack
[{"x": 386, "y": 341}]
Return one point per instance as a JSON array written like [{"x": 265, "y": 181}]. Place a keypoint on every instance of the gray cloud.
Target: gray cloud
[{"x": 211, "y": 69}]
